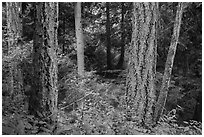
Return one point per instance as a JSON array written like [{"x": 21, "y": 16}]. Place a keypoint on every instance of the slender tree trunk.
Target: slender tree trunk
[
  {"x": 186, "y": 64},
  {"x": 122, "y": 50},
  {"x": 80, "y": 40},
  {"x": 64, "y": 33},
  {"x": 142, "y": 63},
  {"x": 18, "y": 71},
  {"x": 108, "y": 42},
  {"x": 198, "y": 108},
  {"x": 169, "y": 63},
  {"x": 14, "y": 31},
  {"x": 44, "y": 94}
]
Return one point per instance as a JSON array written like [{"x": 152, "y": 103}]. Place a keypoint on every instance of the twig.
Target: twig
[{"x": 77, "y": 100}]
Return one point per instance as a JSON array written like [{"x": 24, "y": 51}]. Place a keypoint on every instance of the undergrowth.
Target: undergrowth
[{"x": 97, "y": 109}]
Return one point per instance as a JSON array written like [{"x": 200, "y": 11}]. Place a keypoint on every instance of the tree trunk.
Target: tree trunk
[
  {"x": 169, "y": 64},
  {"x": 198, "y": 108},
  {"x": 80, "y": 40},
  {"x": 14, "y": 22},
  {"x": 108, "y": 42},
  {"x": 122, "y": 50},
  {"x": 142, "y": 63},
  {"x": 64, "y": 33},
  {"x": 14, "y": 31},
  {"x": 186, "y": 64},
  {"x": 43, "y": 97}
]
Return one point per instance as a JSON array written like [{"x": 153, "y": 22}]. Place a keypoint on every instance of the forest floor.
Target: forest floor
[{"x": 95, "y": 106}]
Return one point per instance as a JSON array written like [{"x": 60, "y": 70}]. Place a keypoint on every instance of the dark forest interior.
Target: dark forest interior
[{"x": 101, "y": 68}]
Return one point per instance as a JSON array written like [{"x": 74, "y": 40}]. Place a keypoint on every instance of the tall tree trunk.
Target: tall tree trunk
[
  {"x": 169, "y": 63},
  {"x": 14, "y": 31},
  {"x": 80, "y": 39},
  {"x": 198, "y": 108},
  {"x": 14, "y": 22},
  {"x": 186, "y": 63},
  {"x": 142, "y": 63},
  {"x": 43, "y": 97},
  {"x": 122, "y": 50},
  {"x": 108, "y": 42},
  {"x": 64, "y": 33}
]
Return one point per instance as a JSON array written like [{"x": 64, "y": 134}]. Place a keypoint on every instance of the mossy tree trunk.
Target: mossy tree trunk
[
  {"x": 169, "y": 63},
  {"x": 80, "y": 39},
  {"x": 142, "y": 63},
  {"x": 44, "y": 92}
]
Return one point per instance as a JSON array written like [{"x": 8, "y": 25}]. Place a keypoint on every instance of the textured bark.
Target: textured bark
[
  {"x": 169, "y": 64},
  {"x": 43, "y": 97},
  {"x": 108, "y": 42},
  {"x": 14, "y": 22},
  {"x": 14, "y": 31},
  {"x": 80, "y": 40},
  {"x": 142, "y": 63},
  {"x": 122, "y": 50},
  {"x": 64, "y": 33}
]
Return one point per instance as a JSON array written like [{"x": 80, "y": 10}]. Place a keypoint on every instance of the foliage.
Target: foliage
[
  {"x": 189, "y": 40},
  {"x": 17, "y": 56},
  {"x": 96, "y": 104},
  {"x": 100, "y": 110}
]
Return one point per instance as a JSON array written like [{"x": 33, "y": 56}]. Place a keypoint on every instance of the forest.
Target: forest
[{"x": 101, "y": 68}]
